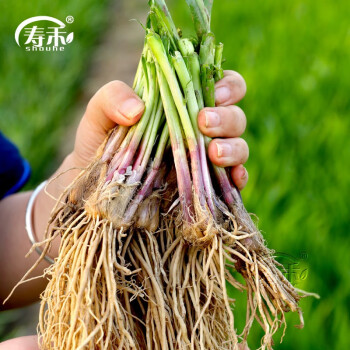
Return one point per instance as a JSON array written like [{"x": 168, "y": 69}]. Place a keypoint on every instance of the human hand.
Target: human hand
[
  {"x": 226, "y": 123},
  {"x": 116, "y": 103}
]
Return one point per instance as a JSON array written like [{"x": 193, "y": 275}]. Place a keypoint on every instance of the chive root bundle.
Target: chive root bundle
[{"x": 152, "y": 232}]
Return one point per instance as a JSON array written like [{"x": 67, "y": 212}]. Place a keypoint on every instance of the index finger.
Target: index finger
[{"x": 231, "y": 89}]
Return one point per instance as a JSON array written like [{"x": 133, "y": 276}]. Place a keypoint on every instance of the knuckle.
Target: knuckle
[
  {"x": 237, "y": 78},
  {"x": 115, "y": 86},
  {"x": 240, "y": 151},
  {"x": 106, "y": 93},
  {"x": 240, "y": 119},
  {"x": 244, "y": 150},
  {"x": 237, "y": 84},
  {"x": 113, "y": 91},
  {"x": 233, "y": 121}
]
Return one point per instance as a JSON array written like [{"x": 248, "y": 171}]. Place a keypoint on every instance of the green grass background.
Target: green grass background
[{"x": 294, "y": 55}]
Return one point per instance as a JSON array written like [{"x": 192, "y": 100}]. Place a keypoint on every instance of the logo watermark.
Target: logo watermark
[
  {"x": 295, "y": 269},
  {"x": 51, "y": 35}
]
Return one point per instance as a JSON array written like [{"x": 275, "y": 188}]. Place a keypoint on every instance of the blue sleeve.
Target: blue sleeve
[{"x": 14, "y": 170}]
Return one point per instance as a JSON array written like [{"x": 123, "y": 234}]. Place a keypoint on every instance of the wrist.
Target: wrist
[
  {"x": 48, "y": 196},
  {"x": 76, "y": 161},
  {"x": 63, "y": 176}
]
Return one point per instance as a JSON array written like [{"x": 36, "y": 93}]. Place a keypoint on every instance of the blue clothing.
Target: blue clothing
[{"x": 14, "y": 170}]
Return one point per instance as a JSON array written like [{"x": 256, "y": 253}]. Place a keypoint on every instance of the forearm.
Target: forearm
[{"x": 14, "y": 242}]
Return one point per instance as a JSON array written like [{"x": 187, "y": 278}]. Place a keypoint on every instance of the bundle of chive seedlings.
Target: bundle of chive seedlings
[{"x": 152, "y": 232}]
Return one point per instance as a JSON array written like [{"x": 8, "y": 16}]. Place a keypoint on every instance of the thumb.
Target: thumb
[{"x": 115, "y": 103}]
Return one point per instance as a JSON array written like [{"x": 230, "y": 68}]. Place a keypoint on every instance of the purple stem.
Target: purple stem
[
  {"x": 113, "y": 166},
  {"x": 144, "y": 191},
  {"x": 208, "y": 185},
  {"x": 152, "y": 176},
  {"x": 229, "y": 191}
]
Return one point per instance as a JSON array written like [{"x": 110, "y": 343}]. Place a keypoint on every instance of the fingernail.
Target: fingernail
[
  {"x": 244, "y": 173},
  {"x": 212, "y": 119},
  {"x": 224, "y": 149},
  {"x": 222, "y": 94},
  {"x": 131, "y": 108}
]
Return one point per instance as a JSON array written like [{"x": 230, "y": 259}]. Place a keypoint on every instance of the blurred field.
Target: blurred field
[{"x": 294, "y": 56}]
